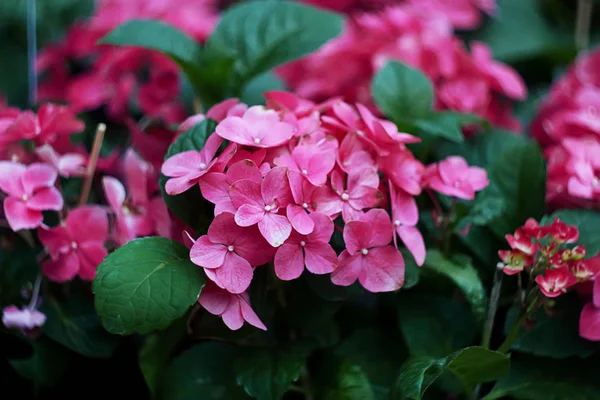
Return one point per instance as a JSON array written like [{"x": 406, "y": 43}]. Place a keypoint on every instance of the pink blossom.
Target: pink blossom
[
  {"x": 71, "y": 164},
  {"x": 589, "y": 322},
  {"x": 369, "y": 257},
  {"x": 260, "y": 203},
  {"x": 186, "y": 168},
  {"x": 502, "y": 78},
  {"x": 312, "y": 250},
  {"x": 463, "y": 14},
  {"x": 405, "y": 216},
  {"x": 218, "y": 112},
  {"x": 228, "y": 253},
  {"x": 259, "y": 127},
  {"x": 28, "y": 320},
  {"x": 297, "y": 212},
  {"x": 311, "y": 160},
  {"x": 404, "y": 171},
  {"x": 453, "y": 177},
  {"x": 554, "y": 282},
  {"x": 30, "y": 191},
  {"x": 76, "y": 246},
  {"x": 234, "y": 308}
]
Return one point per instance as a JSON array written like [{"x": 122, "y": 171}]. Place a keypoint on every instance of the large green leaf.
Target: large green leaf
[
  {"x": 336, "y": 378},
  {"x": 261, "y": 35},
  {"x": 253, "y": 92},
  {"x": 538, "y": 378},
  {"x": 203, "y": 372},
  {"x": 145, "y": 284},
  {"x": 464, "y": 275},
  {"x": 587, "y": 221},
  {"x": 434, "y": 326},
  {"x": 470, "y": 366},
  {"x": 267, "y": 373},
  {"x": 75, "y": 325},
  {"x": 190, "y": 206}
]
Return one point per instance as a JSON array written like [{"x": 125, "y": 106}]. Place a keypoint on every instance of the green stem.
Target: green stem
[
  {"x": 583, "y": 23},
  {"x": 514, "y": 332},
  {"x": 493, "y": 307}
]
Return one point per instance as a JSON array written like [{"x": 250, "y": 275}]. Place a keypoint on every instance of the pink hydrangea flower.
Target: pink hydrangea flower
[
  {"x": 229, "y": 252},
  {"x": 259, "y": 127},
  {"x": 311, "y": 160},
  {"x": 260, "y": 203},
  {"x": 360, "y": 192},
  {"x": 453, "y": 177},
  {"x": 589, "y": 321},
  {"x": 71, "y": 164},
  {"x": 369, "y": 257},
  {"x": 28, "y": 320},
  {"x": 234, "y": 308},
  {"x": 405, "y": 216},
  {"x": 312, "y": 251},
  {"x": 30, "y": 191},
  {"x": 76, "y": 246}
]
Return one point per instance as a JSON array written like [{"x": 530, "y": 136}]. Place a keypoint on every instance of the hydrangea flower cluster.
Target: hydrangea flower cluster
[
  {"x": 467, "y": 81},
  {"x": 294, "y": 171},
  {"x": 567, "y": 126},
  {"x": 543, "y": 252}
]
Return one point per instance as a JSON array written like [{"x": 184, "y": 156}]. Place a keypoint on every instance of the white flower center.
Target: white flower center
[
  {"x": 256, "y": 140},
  {"x": 202, "y": 166},
  {"x": 595, "y": 182},
  {"x": 229, "y": 248},
  {"x": 304, "y": 205},
  {"x": 396, "y": 223},
  {"x": 304, "y": 171},
  {"x": 25, "y": 197},
  {"x": 345, "y": 196},
  {"x": 267, "y": 208},
  {"x": 303, "y": 243},
  {"x": 73, "y": 245},
  {"x": 364, "y": 252}
]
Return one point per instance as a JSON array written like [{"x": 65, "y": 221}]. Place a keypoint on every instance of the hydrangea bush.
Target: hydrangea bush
[{"x": 303, "y": 199}]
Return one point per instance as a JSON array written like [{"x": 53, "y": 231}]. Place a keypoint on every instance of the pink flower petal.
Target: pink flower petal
[
  {"x": 235, "y": 274},
  {"x": 10, "y": 178},
  {"x": 88, "y": 224},
  {"x": 413, "y": 240},
  {"x": 589, "y": 323},
  {"x": 38, "y": 176},
  {"x": 90, "y": 256},
  {"x": 299, "y": 219},
  {"x": 289, "y": 262},
  {"x": 136, "y": 171},
  {"x": 19, "y": 216},
  {"x": 275, "y": 188},
  {"x": 596, "y": 293},
  {"x": 357, "y": 236},
  {"x": 208, "y": 254},
  {"x": 383, "y": 270},
  {"x": 57, "y": 240},
  {"x": 114, "y": 192},
  {"x": 215, "y": 187},
  {"x": 232, "y": 316},
  {"x": 404, "y": 207},
  {"x": 249, "y": 214},
  {"x": 46, "y": 199},
  {"x": 236, "y": 130},
  {"x": 214, "y": 299},
  {"x": 184, "y": 164},
  {"x": 320, "y": 258},
  {"x": 63, "y": 269},
  {"x": 381, "y": 226},
  {"x": 244, "y": 169},
  {"x": 348, "y": 269},
  {"x": 246, "y": 192},
  {"x": 248, "y": 313},
  {"x": 175, "y": 186},
  {"x": 323, "y": 228},
  {"x": 275, "y": 228}
]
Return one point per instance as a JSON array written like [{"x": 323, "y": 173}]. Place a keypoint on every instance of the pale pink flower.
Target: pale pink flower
[
  {"x": 76, "y": 246},
  {"x": 297, "y": 212},
  {"x": 502, "y": 78},
  {"x": 229, "y": 252},
  {"x": 233, "y": 308},
  {"x": 311, "y": 160},
  {"x": 260, "y": 203},
  {"x": 312, "y": 250},
  {"x": 369, "y": 257},
  {"x": 30, "y": 191},
  {"x": 360, "y": 192},
  {"x": 71, "y": 164},
  {"x": 454, "y": 177},
  {"x": 259, "y": 127},
  {"x": 186, "y": 168},
  {"x": 404, "y": 170},
  {"x": 28, "y": 320},
  {"x": 405, "y": 216},
  {"x": 218, "y": 112}
]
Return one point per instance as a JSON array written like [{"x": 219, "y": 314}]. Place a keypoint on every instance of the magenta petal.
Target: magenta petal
[
  {"x": 246, "y": 192},
  {"x": 289, "y": 262},
  {"x": 10, "y": 178},
  {"x": 63, "y": 269},
  {"x": 19, "y": 216},
  {"x": 114, "y": 192},
  {"x": 90, "y": 256},
  {"x": 323, "y": 228},
  {"x": 275, "y": 187},
  {"x": 413, "y": 240},
  {"x": 175, "y": 186},
  {"x": 56, "y": 240},
  {"x": 136, "y": 173},
  {"x": 236, "y": 273},
  {"x": 215, "y": 187},
  {"x": 46, "y": 199},
  {"x": 596, "y": 293},
  {"x": 249, "y": 214},
  {"x": 299, "y": 219},
  {"x": 589, "y": 323},
  {"x": 348, "y": 269},
  {"x": 184, "y": 163},
  {"x": 248, "y": 313},
  {"x": 214, "y": 299},
  {"x": 236, "y": 130},
  {"x": 275, "y": 228},
  {"x": 244, "y": 169},
  {"x": 208, "y": 254},
  {"x": 232, "y": 316},
  {"x": 357, "y": 236},
  {"x": 38, "y": 176},
  {"x": 320, "y": 258},
  {"x": 383, "y": 270}
]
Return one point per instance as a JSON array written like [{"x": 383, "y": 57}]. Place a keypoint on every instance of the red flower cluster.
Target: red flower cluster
[
  {"x": 542, "y": 251},
  {"x": 465, "y": 81},
  {"x": 568, "y": 128}
]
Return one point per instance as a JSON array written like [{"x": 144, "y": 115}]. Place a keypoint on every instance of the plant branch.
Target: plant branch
[
  {"x": 582, "y": 24},
  {"x": 93, "y": 161},
  {"x": 493, "y": 307}
]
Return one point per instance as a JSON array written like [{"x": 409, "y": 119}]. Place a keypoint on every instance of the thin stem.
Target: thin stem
[
  {"x": 493, "y": 307},
  {"x": 339, "y": 228},
  {"x": 514, "y": 332},
  {"x": 582, "y": 24},
  {"x": 436, "y": 203},
  {"x": 32, "y": 52},
  {"x": 91, "y": 167},
  {"x": 36, "y": 292}
]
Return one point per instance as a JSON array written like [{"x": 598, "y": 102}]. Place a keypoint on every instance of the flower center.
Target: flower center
[
  {"x": 396, "y": 223},
  {"x": 256, "y": 140},
  {"x": 303, "y": 243},
  {"x": 73, "y": 245},
  {"x": 345, "y": 196},
  {"x": 268, "y": 208},
  {"x": 202, "y": 166},
  {"x": 25, "y": 197},
  {"x": 304, "y": 205},
  {"x": 364, "y": 252},
  {"x": 595, "y": 182},
  {"x": 229, "y": 248},
  {"x": 304, "y": 171}
]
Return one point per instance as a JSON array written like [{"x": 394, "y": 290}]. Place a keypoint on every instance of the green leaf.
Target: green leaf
[
  {"x": 145, "y": 284},
  {"x": 587, "y": 221},
  {"x": 536, "y": 378},
  {"x": 156, "y": 352},
  {"x": 253, "y": 92},
  {"x": 203, "y": 372},
  {"x": 261, "y": 35},
  {"x": 484, "y": 209},
  {"x": 75, "y": 325},
  {"x": 335, "y": 378},
  {"x": 411, "y": 270},
  {"x": 267, "y": 373},
  {"x": 470, "y": 366},
  {"x": 190, "y": 206},
  {"x": 464, "y": 276},
  {"x": 47, "y": 363},
  {"x": 434, "y": 326},
  {"x": 555, "y": 335},
  {"x": 447, "y": 124}
]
